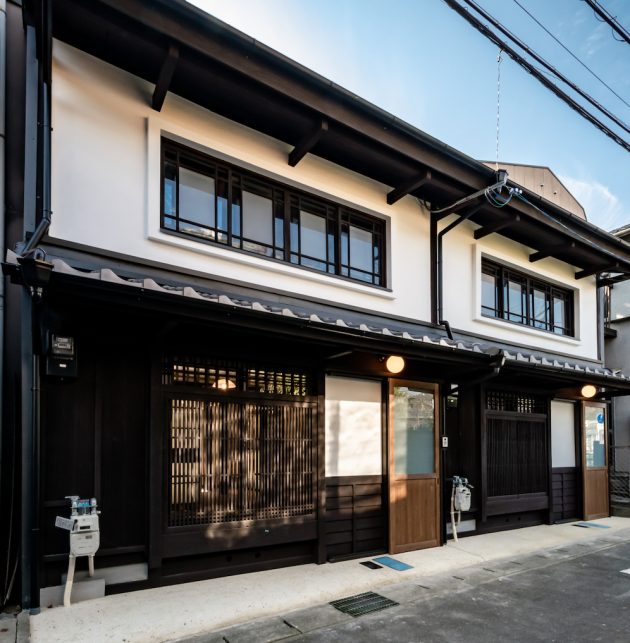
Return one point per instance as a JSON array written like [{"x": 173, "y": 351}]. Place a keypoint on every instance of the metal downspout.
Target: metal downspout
[
  {"x": 26, "y": 367},
  {"x": 438, "y": 312},
  {"x": 3, "y": 76}
]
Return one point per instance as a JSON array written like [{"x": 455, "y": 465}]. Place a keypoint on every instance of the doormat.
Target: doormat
[
  {"x": 363, "y": 604},
  {"x": 591, "y": 524},
  {"x": 393, "y": 563},
  {"x": 371, "y": 565}
]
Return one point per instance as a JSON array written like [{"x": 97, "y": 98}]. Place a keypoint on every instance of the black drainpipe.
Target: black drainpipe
[
  {"x": 436, "y": 246},
  {"x": 35, "y": 274}
]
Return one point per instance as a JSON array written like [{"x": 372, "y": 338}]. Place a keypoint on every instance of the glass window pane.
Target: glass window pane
[
  {"x": 170, "y": 189},
  {"x": 489, "y": 294},
  {"x": 595, "y": 436},
  {"x": 312, "y": 235},
  {"x": 361, "y": 249},
  {"x": 257, "y": 218},
  {"x": 559, "y": 315},
  {"x": 196, "y": 197},
  {"x": 279, "y": 223},
  {"x": 516, "y": 301},
  {"x": 540, "y": 308},
  {"x": 414, "y": 446}
]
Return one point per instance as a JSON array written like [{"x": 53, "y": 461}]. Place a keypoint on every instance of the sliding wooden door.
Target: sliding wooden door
[
  {"x": 595, "y": 460},
  {"x": 414, "y": 484}
]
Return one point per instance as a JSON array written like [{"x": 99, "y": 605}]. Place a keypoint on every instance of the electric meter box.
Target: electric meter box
[{"x": 61, "y": 355}]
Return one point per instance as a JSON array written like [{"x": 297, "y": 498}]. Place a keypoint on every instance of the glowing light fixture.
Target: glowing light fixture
[
  {"x": 223, "y": 383},
  {"x": 588, "y": 390},
  {"x": 395, "y": 363}
]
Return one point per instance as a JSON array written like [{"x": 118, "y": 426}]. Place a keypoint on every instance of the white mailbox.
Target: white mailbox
[{"x": 85, "y": 537}]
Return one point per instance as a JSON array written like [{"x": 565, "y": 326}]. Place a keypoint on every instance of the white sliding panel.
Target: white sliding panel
[
  {"x": 562, "y": 434},
  {"x": 353, "y": 427}
]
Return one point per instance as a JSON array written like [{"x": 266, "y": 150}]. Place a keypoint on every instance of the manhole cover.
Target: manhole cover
[{"x": 363, "y": 604}]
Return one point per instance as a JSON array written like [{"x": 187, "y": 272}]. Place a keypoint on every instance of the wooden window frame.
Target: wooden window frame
[
  {"x": 503, "y": 275},
  {"x": 287, "y": 204}
]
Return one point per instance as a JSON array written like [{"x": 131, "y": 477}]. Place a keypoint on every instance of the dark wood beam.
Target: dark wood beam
[
  {"x": 480, "y": 233},
  {"x": 165, "y": 77},
  {"x": 308, "y": 143},
  {"x": 406, "y": 188},
  {"x": 550, "y": 251},
  {"x": 461, "y": 206},
  {"x": 609, "y": 281},
  {"x": 588, "y": 272}
]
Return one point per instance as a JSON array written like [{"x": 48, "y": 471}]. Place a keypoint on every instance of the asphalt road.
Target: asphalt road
[{"x": 571, "y": 594}]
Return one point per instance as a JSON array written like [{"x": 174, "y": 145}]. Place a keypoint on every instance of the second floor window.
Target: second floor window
[
  {"x": 218, "y": 203},
  {"x": 519, "y": 298}
]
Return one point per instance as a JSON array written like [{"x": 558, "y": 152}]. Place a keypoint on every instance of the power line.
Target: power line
[
  {"x": 545, "y": 64},
  {"x": 610, "y": 19},
  {"x": 483, "y": 29},
  {"x": 571, "y": 53}
]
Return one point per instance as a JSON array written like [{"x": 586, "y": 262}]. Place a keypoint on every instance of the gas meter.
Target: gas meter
[
  {"x": 83, "y": 526},
  {"x": 460, "y": 501},
  {"x": 462, "y": 498}
]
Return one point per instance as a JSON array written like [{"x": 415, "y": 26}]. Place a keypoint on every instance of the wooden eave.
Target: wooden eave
[{"x": 237, "y": 77}]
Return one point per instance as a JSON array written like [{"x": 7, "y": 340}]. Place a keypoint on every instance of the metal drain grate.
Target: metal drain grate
[{"x": 363, "y": 604}]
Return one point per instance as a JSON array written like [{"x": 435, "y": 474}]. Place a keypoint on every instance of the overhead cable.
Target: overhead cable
[
  {"x": 544, "y": 63},
  {"x": 534, "y": 72},
  {"x": 590, "y": 71},
  {"x": 616, "y": 26}
]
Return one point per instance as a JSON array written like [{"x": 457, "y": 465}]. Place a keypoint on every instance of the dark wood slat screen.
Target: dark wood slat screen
[
  {"x": 517, "y": 460},
  {"x": 233, "y": 460},
  {"x": 565, "y": 492}
]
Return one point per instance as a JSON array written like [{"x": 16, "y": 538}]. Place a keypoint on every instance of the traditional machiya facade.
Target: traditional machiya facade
[{"x": 237, "y": 248}]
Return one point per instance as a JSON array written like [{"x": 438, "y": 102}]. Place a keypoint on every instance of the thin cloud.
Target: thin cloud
[{"x": 602, "y": 207}]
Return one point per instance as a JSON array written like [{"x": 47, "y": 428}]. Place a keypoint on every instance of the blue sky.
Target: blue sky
[{"x": 421, "y": 61}]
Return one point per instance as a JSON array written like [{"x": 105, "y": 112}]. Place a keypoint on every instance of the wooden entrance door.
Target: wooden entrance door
[
  {"x": 595, "y": 460},
  {"x": 414, "y": 484}
]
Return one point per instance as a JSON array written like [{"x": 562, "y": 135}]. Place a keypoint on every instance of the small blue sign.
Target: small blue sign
[{"x": 600, "y": 418}]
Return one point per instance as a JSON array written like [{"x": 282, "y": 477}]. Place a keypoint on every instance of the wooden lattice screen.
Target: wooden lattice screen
[
  {"x": 517, "y": 460},
  {"x": 517, "y": 454},
  {"x": 234, "y": 460}
]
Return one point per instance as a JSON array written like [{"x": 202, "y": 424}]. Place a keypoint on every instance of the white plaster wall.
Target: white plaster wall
[
  {"x": 353, "y": 427},
  {"x": 106, "y": 195},
  {"x": 562, "y": 434},
  {"x": 106, "y": 187},
  {"x": 462, "y": 292}
]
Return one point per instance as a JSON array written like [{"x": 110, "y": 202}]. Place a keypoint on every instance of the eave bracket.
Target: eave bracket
[
  {"x": 484, "y": 231},
  {"x": 550, "y": 251},
  {"x": 165, "y": 77},
  {"x": 308, "y": 143},
  {"x": 409, "y": 186}
]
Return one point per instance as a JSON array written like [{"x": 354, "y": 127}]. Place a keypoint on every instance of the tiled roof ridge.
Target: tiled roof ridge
[{"x": 512, "y": 355}]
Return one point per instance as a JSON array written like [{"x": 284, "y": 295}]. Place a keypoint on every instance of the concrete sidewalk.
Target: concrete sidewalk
[{"x": 169, "y": 613}]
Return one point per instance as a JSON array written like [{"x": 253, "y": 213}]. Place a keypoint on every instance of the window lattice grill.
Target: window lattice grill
[
  {"x": 514, "y": 402},
  {"x": 224, "y": 376},
  {"x": 233, "y": 460}
]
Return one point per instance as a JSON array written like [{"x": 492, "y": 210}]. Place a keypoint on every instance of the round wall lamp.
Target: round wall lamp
[
  {"x": 588, "y": 391},
  {"x": 395, "y": 364}
]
